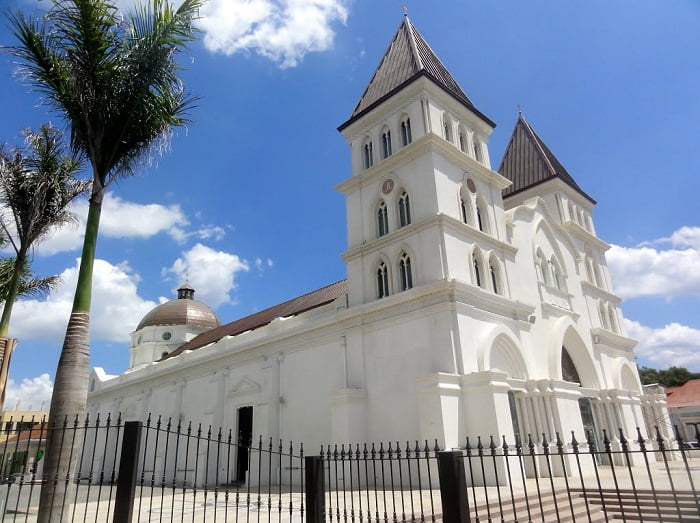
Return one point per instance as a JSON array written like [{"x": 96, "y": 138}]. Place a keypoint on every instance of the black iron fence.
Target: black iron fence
[{"x": 168, "y": 470}]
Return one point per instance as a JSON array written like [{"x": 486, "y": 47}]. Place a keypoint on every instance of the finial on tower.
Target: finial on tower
[
  {"x": 405, "y": 10},
  {"x": 520, "y": 111}
]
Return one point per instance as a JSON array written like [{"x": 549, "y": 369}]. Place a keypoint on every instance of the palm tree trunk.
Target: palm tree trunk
[
  {"x": 12, "y": 293},
  {"x": 68, "y": 402},
  {"x": 7, "y": 346}
]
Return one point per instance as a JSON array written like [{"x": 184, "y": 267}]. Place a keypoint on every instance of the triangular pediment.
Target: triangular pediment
[
  {"x": 528, "y": 162},
  {"x": 244, "y": 386}
]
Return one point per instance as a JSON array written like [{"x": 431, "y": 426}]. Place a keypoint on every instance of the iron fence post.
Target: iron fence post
[
  {"x": 453, "y": 487},
  {"x": 128, "y": 468},
  {"x": 315, "y": 489}
]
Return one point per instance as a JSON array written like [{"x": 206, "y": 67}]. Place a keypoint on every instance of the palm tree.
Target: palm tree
[
  {"x": 115, "y": 81},
  {"x": 37, "y": 187}
]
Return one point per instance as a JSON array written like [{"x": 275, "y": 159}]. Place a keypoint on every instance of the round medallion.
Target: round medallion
[
  {"x": 166, "y": 335},
  {"x": 471, "y": 186},
  {"x": 387, "y": 186}
]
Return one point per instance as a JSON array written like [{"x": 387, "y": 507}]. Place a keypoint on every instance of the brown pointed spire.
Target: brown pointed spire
[
  {"x": 528, "y": 162},
  {"x": 408, "y": 58}
]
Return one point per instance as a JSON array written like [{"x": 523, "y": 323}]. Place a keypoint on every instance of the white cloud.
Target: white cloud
[
  {"x": 684, "y": 237},
  {"x": 124, "y": 219},
  {"x": 282, "y": 30},
  {"x": 30, "y": 393},
  {"x": 650, "y": 271},
  {"x": 261, "y": 264},
  {"x": 212, "y": 273},
  {"x": 116, "y": 306},
  {"x": 672, "y": 345}
]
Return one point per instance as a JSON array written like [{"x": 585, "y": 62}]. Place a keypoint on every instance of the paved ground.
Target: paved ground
[{"x": 96, "y": 504}]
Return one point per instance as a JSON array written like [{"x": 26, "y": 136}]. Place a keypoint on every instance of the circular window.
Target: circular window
[
  {"x": 471, "y": 186},
  {"x": 166, "y": 335}
]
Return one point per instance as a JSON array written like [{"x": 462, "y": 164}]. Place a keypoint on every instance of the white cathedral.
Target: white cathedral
[{"x": 477, "y": 302}]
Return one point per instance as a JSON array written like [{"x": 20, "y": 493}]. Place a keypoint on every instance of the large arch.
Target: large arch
[
  {"x": 565, "y": 335},
  {"x": 625, "y": 377},
  {"x": 498, "y": 349}
]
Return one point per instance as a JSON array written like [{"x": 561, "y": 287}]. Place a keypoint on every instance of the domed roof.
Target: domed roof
[{"x": 185, "y": 310}]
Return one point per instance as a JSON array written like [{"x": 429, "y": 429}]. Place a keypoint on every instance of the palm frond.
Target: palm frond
[
  {"x": 30, "y": 286},
  {"x": 37, "y": 186},
  {"x": 114, "y": 79}
]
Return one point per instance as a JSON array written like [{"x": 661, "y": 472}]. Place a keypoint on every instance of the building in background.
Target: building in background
[
  {"x": 18, "y": 419},
  {"x": 477, "y": 302},
  {"x": 684, "y": 408}
]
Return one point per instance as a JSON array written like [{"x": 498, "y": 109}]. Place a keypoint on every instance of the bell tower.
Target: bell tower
[{"x": 422, "y": 191}]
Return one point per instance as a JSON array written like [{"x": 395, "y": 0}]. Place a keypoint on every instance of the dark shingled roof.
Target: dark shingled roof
[
  {"x": 408, "y": 57},
  {"x": 292, "y": 307},
  {"x": 528, "y": 162}
]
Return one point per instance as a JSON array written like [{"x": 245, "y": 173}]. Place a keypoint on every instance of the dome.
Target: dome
[{"x": 185, "y": 310}]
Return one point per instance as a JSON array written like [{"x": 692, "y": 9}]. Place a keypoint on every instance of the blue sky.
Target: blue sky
[{"x": 244, "y": 201}]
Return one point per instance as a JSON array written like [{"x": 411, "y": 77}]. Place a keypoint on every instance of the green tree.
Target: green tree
[
  {"x": 29, "y": 285},
  {"x": 671, "y": 377},
  {"x": 115, "y": 80},
  {"x": 37, "y": 186}
]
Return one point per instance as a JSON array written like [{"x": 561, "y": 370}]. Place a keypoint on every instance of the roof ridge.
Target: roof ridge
[
  {"x": 412, "y": 40},
  {"x": 538, "y": 143},
  {"x": 291, "y": 307}
]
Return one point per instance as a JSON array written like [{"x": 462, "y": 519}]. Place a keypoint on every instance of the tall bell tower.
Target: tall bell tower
[{"x": 422, "y": 188}]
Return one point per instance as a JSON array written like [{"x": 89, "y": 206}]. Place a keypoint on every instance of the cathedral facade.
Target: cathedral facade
[{"x": 477, "y": 301}]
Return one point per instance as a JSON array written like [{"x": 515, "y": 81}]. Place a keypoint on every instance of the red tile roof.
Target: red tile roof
[
  {"x": 292, "y": 307},
  {"x": 687, "y": 395}
]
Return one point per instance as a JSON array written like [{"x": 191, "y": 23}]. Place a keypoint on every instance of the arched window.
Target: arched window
[
  {"x": 477, "y": 148},
  {"x": 603, "y": 316},
  {"x": 382, "y": 280},
  {"x": 462, "y": 140},
  {"x": 405, "y": 272},
  {"x": 404, "y": 210},
  {"x": 557, "y": 276},
  {"x": 611, "y": 316},
  {"x": 478, "y": 276},
  {"x": 386, "y": 144},
  {"x": 560, "y": 207},
  {"x": 482, "y": 216},
  {"x": 406, "y": 137},
  {"x": 597, "y": 275},
  {"x": 382, "y": 220},
  {"x": 447, "y": 128},
  {"x": 367, "y": 155},
  {"x": 495, "y": 278},
  {"x": 572, "y": 211},
  {"x": 465, "y": 208},
  {"x": 589, "y": 270}
]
